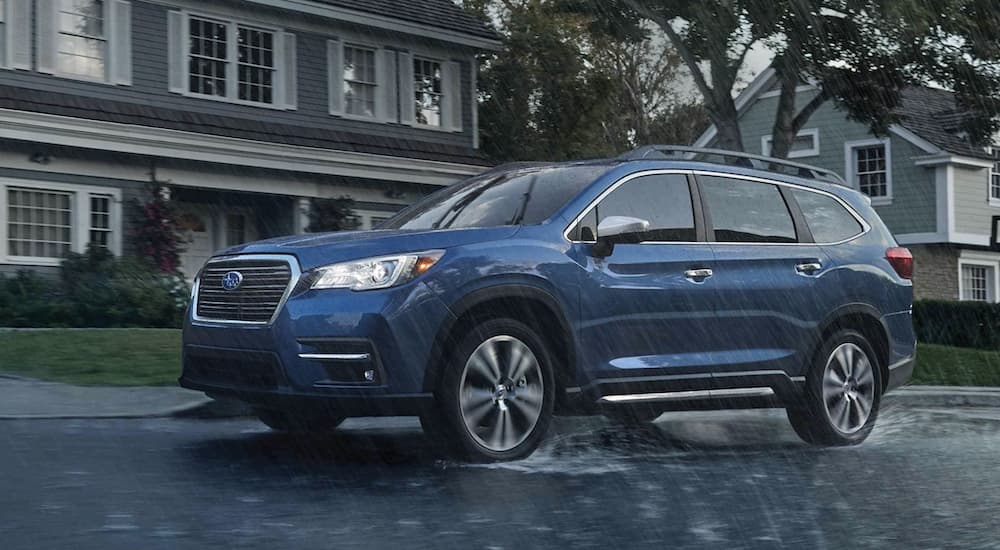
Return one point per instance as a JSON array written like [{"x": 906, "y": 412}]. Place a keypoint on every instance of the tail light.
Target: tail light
[{"x": 901, "y": 260}]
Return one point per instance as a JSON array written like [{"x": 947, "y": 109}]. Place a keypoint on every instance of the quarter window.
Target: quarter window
[
  {"x": 360, "y": 82},
  {"x": 747, "y": 211},
  {"x": 427, "y": 88},
  {"x": 977, "y": 283},
  {"x": 664, "y": 200},
  {"x": 828, "y": 220},
  {"x": 82, "y": 42},
  {"x": 871, "y": 174}
]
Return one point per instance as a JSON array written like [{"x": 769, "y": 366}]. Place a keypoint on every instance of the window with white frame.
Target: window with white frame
[
  {"x": 45, "y": 222},
  {"x": 805, "y": 144},
  {"x": 228, "y": 60},
  {"x": 100, "y": 221},
  {"x": 977, "y": 282},
  {"x": 870, "y": 170},
  {"x": 82, "y": 44},
  {"x": 360, "y": 81},
  {"x": 231, "y": 61},
  {"x": 428, "y": 91},
  {"x": 995, "y": 175}
]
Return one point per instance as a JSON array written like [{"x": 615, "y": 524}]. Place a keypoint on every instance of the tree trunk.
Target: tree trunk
[
  {"x": 729, "y": 135},
  {"x": 783, "y": 133}
]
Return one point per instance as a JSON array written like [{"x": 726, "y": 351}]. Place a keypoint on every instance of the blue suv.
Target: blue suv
[{"x": 669, "y": 278}]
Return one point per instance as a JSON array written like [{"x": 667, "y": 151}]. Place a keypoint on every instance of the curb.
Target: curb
[{"x": 944, "y": 396}]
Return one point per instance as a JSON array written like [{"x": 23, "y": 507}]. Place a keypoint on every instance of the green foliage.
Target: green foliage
[
  {"x": 95, "y": 289},
  {"x": 962, "y": 324},
  {"x": 332, "y": 215},
  {"x": 559, "y": 92}
]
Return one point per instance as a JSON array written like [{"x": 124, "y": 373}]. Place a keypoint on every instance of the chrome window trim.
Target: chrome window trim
[
  {"x": 296, "y": 274},
  {"x": 866, "y": 227}
]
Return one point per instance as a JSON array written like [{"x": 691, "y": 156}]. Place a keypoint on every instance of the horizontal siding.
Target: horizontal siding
[
  {"x": 973, "y": 213},
  {"x": 913, "y": 208},
  {"x": 150, "y": 74}
]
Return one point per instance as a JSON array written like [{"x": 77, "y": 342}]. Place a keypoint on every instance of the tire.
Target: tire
[
  {"x": 496, "y": 395},
  {"x": 281, "y": 421},
  {"x": 842, "y": 395}
]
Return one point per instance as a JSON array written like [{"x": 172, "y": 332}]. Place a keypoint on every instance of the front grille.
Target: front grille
[{"x": 254, "y": 301}]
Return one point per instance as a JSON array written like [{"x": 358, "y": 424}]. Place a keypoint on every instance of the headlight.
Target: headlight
[{"x": 373, "y": 273}]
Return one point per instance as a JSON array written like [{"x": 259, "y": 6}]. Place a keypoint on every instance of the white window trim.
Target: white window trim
[
  {"x": 232, "y": 60},
  {"x": 850, "y": 165},
  {"x": 117, "y": 49},
  {"x": 80, "y": 204},
  {"x": 974, "y": 260},
  {"x": 366, "y": 216},
  {"x": 5, "y": 39},
  {"x": 766, "y": 141},
  {"x": 993, "y": 201},
  {"x": 444, "y": 57},
  {"x": 346, "y": 41}
]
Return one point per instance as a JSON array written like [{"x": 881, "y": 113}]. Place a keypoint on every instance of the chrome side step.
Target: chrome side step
[{"x": 688, "y": 395}]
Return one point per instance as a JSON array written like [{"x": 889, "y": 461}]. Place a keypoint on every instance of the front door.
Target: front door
[
  {"x": 646, "y": 310},
  {"x": 197, "y": 239}
]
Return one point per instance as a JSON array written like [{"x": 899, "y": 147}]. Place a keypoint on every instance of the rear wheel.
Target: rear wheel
[
  {"x": 843, "y": 393},
  {"x": 283, "y": 421},
  {"x": 496, "y": 395}
]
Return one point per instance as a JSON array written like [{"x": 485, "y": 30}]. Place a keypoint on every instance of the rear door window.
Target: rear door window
[
  {"x": 828, "y": 220},
  {"x": 744, "y": 211}
]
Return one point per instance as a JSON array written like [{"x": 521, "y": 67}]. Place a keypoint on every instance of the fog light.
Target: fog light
[{"x": 370, "y": 375}]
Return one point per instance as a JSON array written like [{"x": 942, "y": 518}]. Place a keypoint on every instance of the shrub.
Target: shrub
[
  {"x": 95, "y": 289},
  {"x": 962, "y": 324}
]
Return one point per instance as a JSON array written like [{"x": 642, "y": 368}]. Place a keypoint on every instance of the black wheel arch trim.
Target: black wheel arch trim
[{"x": 508, "y": 290}]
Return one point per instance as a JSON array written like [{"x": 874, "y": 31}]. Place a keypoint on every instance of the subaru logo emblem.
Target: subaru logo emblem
[{"x": 232, "y": 280}]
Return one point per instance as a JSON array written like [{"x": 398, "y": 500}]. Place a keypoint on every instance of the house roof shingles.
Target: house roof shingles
[
  {"x": 934, "y": 115},
  {"x": 21, "y": 99},
  {"x": 443, "y": 14}
]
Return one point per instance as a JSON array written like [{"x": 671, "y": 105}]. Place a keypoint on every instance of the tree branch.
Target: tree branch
[
  {"x": 686, "y": 54},
  {"x": 808, "y": 110}
]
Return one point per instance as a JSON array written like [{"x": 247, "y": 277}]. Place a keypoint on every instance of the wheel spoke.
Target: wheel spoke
[
  {"x": 528, "y": 404},
  {"x": 476, "y": 409},
  {"x": 864, "y": 408},
  {"x": 520, "y": 361},
  {"x": 491, "y": 356}
]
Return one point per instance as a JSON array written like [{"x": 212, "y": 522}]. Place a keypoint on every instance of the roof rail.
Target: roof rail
[{"x": 733, "y": 158}]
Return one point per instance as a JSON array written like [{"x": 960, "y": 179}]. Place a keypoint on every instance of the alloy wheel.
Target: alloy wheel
[
  {"x": 848, "y": 388},
  {"x": 501, "y": 393}
]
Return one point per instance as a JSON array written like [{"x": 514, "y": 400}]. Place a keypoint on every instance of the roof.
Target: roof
[
  {"x": 443, "y": 14},
  {"x": 935, "y": 115},
  {"x": 53, "y": 103}
]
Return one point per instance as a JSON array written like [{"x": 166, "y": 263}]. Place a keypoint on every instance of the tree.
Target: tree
[
  {"x": 859, "y": 53},
  {"x": 557, "y": 91},
  {"x": 332, "y": 215}
]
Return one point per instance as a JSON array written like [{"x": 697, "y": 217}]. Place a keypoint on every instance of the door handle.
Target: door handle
[
  {"x": 698, "y": 275},
  {"x": 808, "y": 268}
]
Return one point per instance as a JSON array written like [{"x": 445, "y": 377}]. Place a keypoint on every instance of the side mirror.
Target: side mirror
[{"x": 612, "y": 229}]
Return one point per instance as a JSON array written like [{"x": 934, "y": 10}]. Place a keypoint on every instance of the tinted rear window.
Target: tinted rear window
[
  {"x": 747, "y": 211},
  {"x": 828, "y": 220},
  {"x": 521, "y": 197}
]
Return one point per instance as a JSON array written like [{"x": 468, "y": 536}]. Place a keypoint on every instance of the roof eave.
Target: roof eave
[{"x": 383, "y": 22}]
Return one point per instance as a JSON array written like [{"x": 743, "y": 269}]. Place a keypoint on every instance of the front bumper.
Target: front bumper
[{"x": 385, "y": 334}]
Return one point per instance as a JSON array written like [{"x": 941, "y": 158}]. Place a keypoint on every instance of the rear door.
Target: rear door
[
  {"x": 642, "y": 311},
  {"x": 766, "y": 275}
]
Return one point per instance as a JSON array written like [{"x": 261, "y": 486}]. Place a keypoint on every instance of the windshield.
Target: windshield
[{"x": 521, "y": 197}]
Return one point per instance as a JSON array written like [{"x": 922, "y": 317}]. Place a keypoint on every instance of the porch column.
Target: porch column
[{"x": 300, "y": 215}]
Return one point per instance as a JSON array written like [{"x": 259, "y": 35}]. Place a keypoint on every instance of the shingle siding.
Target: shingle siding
[{"x": 913, "y": 208}]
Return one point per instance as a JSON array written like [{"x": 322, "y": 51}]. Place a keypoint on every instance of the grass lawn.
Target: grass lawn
[
  {"x": 948, "y": 366},
  {"x": 113, "y": 357},
  {"x": 149, "y": 357}
]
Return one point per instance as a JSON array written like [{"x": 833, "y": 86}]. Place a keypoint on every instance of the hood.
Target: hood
[{"x": 317, "y": 249}]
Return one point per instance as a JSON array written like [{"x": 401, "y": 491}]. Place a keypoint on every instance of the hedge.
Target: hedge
[{"x": 962, "y": 324}]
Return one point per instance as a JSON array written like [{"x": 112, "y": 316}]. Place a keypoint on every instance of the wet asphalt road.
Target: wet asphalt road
[{"x": 925, "y": 479}]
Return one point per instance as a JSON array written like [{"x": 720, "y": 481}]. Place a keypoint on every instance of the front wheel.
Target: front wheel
[
  {"x": 497, "y": 393},
  {"x": 843, "y": 393}
]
